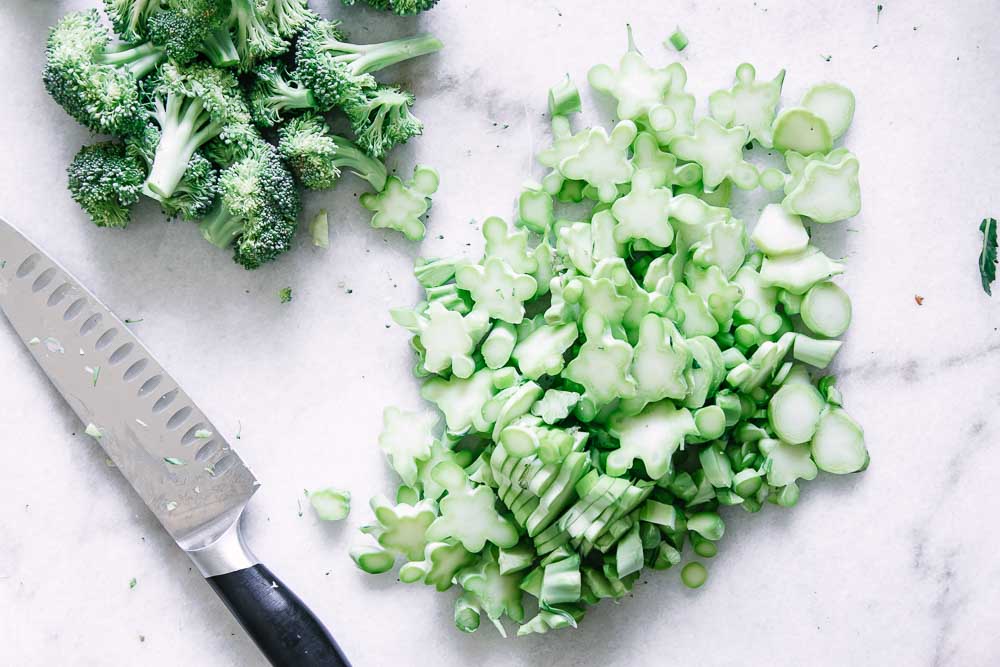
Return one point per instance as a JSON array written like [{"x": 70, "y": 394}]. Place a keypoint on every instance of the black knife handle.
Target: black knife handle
[{"x": 281, "y": 625}]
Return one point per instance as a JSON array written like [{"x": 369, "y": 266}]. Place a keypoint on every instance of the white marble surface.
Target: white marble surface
[{"x": 894, "y": 567}]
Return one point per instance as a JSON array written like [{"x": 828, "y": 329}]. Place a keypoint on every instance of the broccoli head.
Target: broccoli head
[
  {"x": 257, "y": 208},
  {"x": 96, "y": 83},
  {"x": 187, "y": 28},
  {"x": 384, "y": 120},
  {"x": 106, "y": 180},
  {"x": 273, "y": 93},
  {"x": 308, "y": 149},
  {"x": 339, "y": 72},
  {"x": 288, "y": 16},
  {"x": 316, "y": 157},
  {"x": 192, "y": 106}
]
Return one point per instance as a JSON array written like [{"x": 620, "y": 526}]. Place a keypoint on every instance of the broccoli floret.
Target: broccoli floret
[
  {"x": 273, "y": 93},
  {"x": 257, "y": 209},
  {"x": 196, "y": 191},
  {"x": 186, "y": 28},
  {"x": 192, "y": 106},
  {"x": 129, "y": 17},
  {"x": 339, "y": 72},
  {"x": 316, "y": 157},
  {"x": 400, "y": 7},
  {"x": 256, "y": 37},
  {"x": 106, "y": 180},
  {"x": 96, "y": 83},
  {"x": 289, "y": 16},
  {"x": 308, "y": 149},
  {"x": 384, "y": 120}
]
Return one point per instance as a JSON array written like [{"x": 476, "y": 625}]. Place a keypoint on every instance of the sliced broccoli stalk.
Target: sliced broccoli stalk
[
  {"x": 564, "y": 98},
  {"x": 400, "y": 205},
  {"x": 331, "y": 504},
  {"x": 839, "y": 444},
  {"x": 794, "y": 411},
  {"x": 106, "y": 181}
]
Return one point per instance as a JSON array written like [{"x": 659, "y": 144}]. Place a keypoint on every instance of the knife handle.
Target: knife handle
[{"x": 280, "y": 623}]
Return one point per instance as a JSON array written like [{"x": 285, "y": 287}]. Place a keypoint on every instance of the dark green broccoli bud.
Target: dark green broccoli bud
[
  {"x": 339, "y": 72},
  {"x": 273, "y": 93},
  {"x": 308, "y": 149},
  {"x": 106, "y": 180},
  {"x": 186, "y": 28},
  {"x": 316, "y": 157},
  {"x": 256, "y": 38},
  {"x": 192, "y": 106},
  {"x": 400, "y": 7},
  {"x": 289, "y": 16},
  {"x": 407, "y": 7},
  {"x": 384, "y": 120},
  {"x": 96, "y": 83},
  {"x": 257, "y": 208},
  {"x": 129, "y": 17}
]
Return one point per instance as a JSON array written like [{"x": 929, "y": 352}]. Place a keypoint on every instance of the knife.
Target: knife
[{"x": 178, "y": 463}]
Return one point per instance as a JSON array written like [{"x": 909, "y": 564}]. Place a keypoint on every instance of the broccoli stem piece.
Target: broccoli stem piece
[
  {"x": 367, "y": 58},
  {"x": 220, "y": 49},
  {"x": 221, "y": 227},
  {"x": 349, "y": 156},
  {"x": 185, "y": 126},
  {"x": 138, "y": 59}
]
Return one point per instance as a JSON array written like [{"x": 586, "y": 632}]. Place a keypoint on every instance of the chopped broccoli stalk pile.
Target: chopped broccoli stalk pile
[
  {"x": 217, "y": 117},
  {"x": 611, "y": 382}
]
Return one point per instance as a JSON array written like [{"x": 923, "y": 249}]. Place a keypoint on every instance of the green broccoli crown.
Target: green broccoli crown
[
  {"x": 95, "y": 83},
  {"x": 273, "y": 93},
  {"x": 257, "y": 210},
  {"x": 289, "y": 16},
  {"x": 339, "y": 72},
  {"x": 384, "y": 120},
  {"x": 255, "y": 36},
  {"x": 106, "y": 180},
  {"x": 324, "y": 66},
  {"x": 182, "y": 27},
  {"x": 309, "y": 150},
  {"x": 129, "y": 17},
  {"x": 406, "y": 7}
]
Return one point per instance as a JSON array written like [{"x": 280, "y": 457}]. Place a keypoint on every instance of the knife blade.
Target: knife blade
[{"x": 181, "y": 466}]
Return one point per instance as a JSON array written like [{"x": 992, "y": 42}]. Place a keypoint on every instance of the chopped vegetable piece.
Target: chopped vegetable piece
[
  {"x": 401, "y": 205},
  {"x": 564, "y": 98},
  {"x": 319, "y": 230},
  {"x": 678, "y": 40},
  {"x": 331, "y": 504},
  {"x": 694, "y": 575},
  {"x": 826, "y": 310},
  {"x": 988, "y": 254}
]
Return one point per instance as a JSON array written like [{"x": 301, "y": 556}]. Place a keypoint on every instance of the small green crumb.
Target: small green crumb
[
  {"x": 678, "y": 40},
  {"x": 694, "y": 575},
  {"x": 285, "y": 295}
]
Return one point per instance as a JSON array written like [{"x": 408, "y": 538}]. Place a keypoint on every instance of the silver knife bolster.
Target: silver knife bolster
[{"x": 227, "y": 554}]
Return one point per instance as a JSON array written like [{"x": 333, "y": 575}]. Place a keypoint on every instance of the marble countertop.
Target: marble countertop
[{"x": 896, "y": 566}]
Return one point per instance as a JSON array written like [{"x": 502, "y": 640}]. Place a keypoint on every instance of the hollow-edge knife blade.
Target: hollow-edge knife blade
[{"x": 182, "y": 467}]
